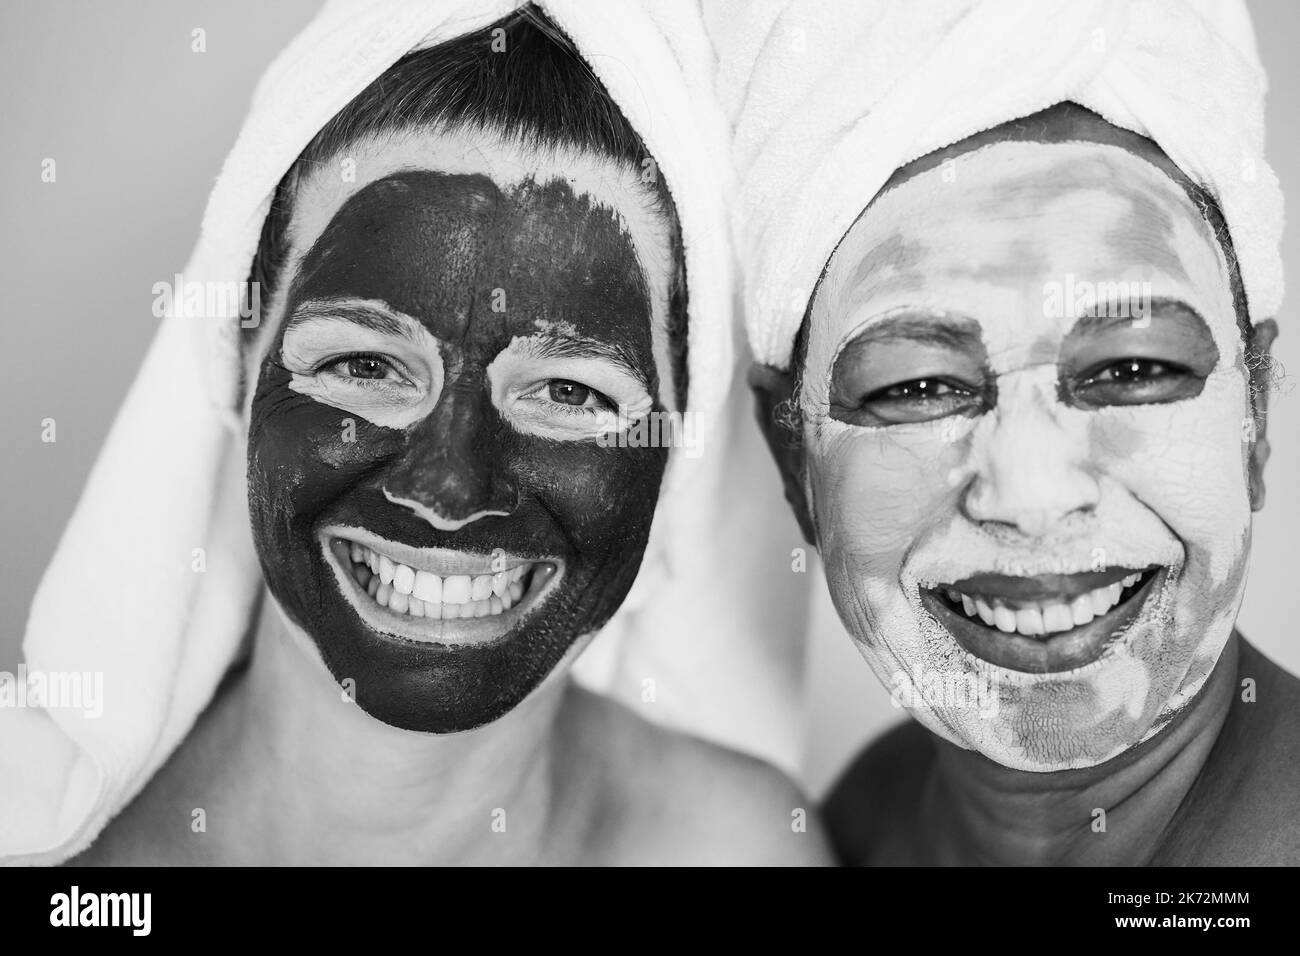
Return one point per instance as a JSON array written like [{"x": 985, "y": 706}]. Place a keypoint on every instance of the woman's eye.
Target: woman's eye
[
  {"x": 566, "y": 409},
  {"x": 1137, "y": 381},
  {"x": 365, "y": 367},
  {"x": 920, "y": 390},
  {"x": 1131, "y": 370},
  {"x": 917, "y": 400},
  {"x": 565, "y": 392}
]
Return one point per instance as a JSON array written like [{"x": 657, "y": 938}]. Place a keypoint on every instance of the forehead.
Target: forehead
[
  {"x": 988, "y": 235},
  {"x": 449, "y": 249},
  {"x": 602, "y": 181}
]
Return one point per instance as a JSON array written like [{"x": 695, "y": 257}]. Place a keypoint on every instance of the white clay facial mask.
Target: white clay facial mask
[{"x": 1026, "y": 414}]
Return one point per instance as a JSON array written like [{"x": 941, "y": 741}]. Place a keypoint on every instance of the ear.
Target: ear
[
  {"x": 773, "y": 395},
  {"x": 1259, "y": 358}
]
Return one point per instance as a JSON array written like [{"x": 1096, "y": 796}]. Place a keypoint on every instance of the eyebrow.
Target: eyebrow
[
  {"x": 1158, "y": 308},
  {"x": 953, "y": 332},
  {"x": 366, "y": 313},
  {"x": 552, "y": 344}
]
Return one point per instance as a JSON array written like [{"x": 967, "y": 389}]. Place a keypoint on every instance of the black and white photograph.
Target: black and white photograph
[{"x": 651, "y": 433}]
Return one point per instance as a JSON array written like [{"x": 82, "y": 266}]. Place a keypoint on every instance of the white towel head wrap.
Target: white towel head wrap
[{"x": 829, "y": 99}]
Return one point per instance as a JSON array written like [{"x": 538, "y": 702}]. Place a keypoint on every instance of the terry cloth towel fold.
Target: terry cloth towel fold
[
  {"x": 169, "y": 478},
  {"x": 828, "y": 99}
]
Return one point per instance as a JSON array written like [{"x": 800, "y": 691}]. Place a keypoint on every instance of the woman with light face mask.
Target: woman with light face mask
[
  {"x": 469, "y": 287},
  {"x": 1023, "y": 420}
]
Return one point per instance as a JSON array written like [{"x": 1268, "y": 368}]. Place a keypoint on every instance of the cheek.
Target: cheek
[
  {"x": 303, "y": 454},
  {"x": 601, "y": 499},
  {"x": 1186, "y": 461},
  {"x": 875, "y": 492}
]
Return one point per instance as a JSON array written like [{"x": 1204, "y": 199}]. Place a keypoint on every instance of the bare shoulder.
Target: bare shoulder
[
  {"x": 870, "y": 813},
  {"x": 667, "y": 798}
]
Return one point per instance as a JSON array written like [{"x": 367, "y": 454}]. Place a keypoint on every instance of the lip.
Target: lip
[
  {"x": 1041, "y": 587},
  {"x": 442, "y": 561},
  {"x": 1054, "y": 653},
  {"x": 447, "y": 635}
]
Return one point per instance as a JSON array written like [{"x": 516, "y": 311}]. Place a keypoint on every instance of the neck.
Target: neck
[
  {"x": 981, "y": 812},
  {"x": 324, "y": 782}
]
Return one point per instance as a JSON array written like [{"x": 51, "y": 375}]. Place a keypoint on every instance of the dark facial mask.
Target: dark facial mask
[{"x": 435, "y": 247}]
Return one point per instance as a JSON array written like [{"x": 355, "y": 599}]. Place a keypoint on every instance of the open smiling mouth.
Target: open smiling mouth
[
  {"x": 433, "y": 595},
  {"x": 1046, "y": 623}
]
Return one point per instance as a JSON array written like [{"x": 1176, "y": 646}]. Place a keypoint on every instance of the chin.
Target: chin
[{"x": 440, "y": 656}]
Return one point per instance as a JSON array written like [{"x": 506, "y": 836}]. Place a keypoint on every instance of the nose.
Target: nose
[
  {"x": 1031, "y": 469},
  {"x": 453, "y": 471}
]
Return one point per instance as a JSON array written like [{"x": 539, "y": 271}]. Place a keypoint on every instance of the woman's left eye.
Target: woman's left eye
[
  {"x": 1132, "y": 370},
  {"x": 1137, "y": 381},
  {"x": 565, "y": 392}
]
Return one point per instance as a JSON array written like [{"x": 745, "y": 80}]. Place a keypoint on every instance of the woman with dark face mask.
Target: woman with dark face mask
[
  {"x": 1022, "y": 416},
  {"x": 463, "y": 382}
]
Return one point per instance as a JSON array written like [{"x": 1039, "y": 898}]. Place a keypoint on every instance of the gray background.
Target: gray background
[{"x": 138, "y": 126}]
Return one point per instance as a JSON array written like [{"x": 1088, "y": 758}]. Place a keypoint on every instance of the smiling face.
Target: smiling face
[
  {"x": 1027, "y": 422},
  {"x": 429, "y": 500}
]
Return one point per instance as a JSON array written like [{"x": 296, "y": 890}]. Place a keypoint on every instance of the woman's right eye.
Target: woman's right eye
[
  {"x": 916, "y": 400},
  {"x": 365, "y": 368}
]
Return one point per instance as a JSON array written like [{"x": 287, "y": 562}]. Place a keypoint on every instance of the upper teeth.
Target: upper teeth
[
  {"x": 424, "y": 594},
  {"x": 1034, "y": 619}
]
